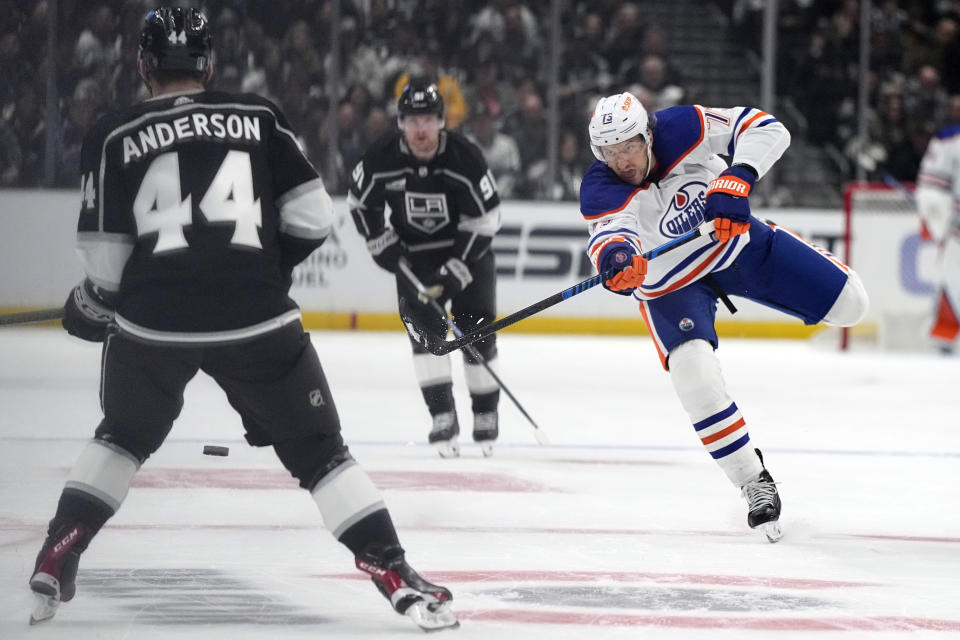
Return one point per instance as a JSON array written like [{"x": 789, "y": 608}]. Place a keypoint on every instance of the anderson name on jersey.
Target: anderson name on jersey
[
  {"x": 195, "y": 209},
  {"x": 687, "y": 143},
  {"x": 447, "y": 206}
]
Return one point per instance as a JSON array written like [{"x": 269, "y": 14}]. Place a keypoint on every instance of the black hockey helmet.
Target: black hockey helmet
[
  {"x": 176, "y": 39},
  {"x": 420, "y": 96}
]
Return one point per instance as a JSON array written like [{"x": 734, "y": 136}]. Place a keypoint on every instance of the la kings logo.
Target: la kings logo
[{"x": 427, "y": 212}]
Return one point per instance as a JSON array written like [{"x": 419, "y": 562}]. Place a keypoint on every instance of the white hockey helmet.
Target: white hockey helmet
[{"x": 617, "y": 118}]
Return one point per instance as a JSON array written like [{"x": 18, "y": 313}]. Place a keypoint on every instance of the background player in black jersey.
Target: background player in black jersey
[
  {"x": 196, "y": 207},
  {"x": 443, "y": 213}
]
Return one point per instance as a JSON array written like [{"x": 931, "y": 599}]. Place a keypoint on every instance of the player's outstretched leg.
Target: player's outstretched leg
[
  {"x": 444, "y": 434},
  {"x": 485, "y": 430},
  {"x": 428, "y": 605},
  {"x": 763, "y": 502},
  {"x": 55, "y": 573}
]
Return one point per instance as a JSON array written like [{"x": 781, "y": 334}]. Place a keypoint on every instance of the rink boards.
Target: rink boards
[{"x": 540, "y": 251}]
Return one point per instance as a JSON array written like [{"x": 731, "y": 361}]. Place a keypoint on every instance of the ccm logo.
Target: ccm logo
[
  {"x": 369, "y": 568},
  {"x": 67, "y": 539}
]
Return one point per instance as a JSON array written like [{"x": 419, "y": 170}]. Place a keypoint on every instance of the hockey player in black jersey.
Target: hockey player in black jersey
[
  {"x": 196, "y": 206},
  {"x": 443, "y": 213}
]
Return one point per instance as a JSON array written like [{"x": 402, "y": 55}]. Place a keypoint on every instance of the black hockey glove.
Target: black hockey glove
[
  {"x": 447, "y": 281},
  {"x": 87, "y": 311},
  {"x": 386, "y": 250}
]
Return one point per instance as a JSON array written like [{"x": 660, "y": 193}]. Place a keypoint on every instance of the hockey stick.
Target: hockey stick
[
  {"x": 896, "y": 185},
  {"x": 443, "y": 347},
  {"x": 468, "y": 347},
  {"x": 27, "y": 317}
]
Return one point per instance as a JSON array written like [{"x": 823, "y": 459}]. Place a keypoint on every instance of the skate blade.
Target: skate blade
[
  {"x": 44, "y": 608},
  {"x": 771, "y": 530},
  {"x": 433, "y": 617},
  {"x": 487, "y": 448},
  {"x": 447, "y": 448}
]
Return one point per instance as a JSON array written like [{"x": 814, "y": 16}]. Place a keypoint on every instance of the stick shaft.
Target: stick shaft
[
  {"x": 482, "y": 332},
  {"x": 28, "y": 317}
]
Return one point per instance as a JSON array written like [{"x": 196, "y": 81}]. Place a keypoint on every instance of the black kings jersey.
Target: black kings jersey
[
  {"x": 195, "y": 208},
  {"x": 448, "y": 206}
]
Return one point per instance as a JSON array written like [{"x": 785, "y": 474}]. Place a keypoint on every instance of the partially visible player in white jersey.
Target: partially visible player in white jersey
[
  {"x": 938, "y": 202},
  {"x": 658, "y": 176}
]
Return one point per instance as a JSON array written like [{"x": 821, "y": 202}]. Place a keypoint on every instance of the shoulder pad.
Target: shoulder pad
[
  {"x": 949, "y": 132},
  {"x": 463, "y": 156},
  {"x": 602, "y": 191},
  {"x": 676, "y": 131}
]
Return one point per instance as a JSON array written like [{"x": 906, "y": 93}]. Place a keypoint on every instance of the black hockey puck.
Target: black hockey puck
[{"x": 214, "y": 450}]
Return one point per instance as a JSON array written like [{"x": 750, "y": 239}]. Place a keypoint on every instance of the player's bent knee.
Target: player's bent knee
[
  {"x": 851, "y": 305},
  {"x": 139, "y": 440},
  {"x": 310, "y": 458},
  {"x": 697, "y": 379},
  {"x": 104, "y": 470}
]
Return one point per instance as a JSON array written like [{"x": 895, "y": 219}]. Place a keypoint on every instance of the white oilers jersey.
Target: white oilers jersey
[
  {"x": 687, "y": 143},
  {"x": 938, "y": 184}
]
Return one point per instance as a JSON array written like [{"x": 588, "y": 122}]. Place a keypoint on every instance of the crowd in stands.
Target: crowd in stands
[
  {"x": 913, "y": 84},
  {"x": 490, "y": 59}
]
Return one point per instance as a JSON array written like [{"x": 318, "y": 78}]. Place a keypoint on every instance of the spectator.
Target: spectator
[
  {"x": 499, "y": 150},
  {"x": 84, "y": 107},
  {"x": 529, "y": 128},
  {"x": 571, "y": 165},
  {"x": 98, "y": 44},
  {"x": 627, "y": 33},
  {"x": 660, "y": 92},
  {"x": 11, "y": 159},
  {"x": 925, "y": 100},
  {"x": 428, "y": 66},
  {"x": 376, "y": 125},
  {"x": 30, "y": 129}
]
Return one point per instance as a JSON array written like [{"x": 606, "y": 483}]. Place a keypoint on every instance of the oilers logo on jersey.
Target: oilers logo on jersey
[{"x": 685, "y": 211}]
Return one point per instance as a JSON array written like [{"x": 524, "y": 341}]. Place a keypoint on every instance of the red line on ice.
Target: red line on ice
[
  {"x": 276, "y": 479},
  {"x": 879, "y": 623},
  {"x": 494, "y": 576}
]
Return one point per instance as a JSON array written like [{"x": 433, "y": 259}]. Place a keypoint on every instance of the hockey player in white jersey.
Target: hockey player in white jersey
[
  {"x": 938, "y": 203},
  {"x": 659, "y": 176}
]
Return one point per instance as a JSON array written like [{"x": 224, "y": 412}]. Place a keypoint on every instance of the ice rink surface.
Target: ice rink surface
[{"x": 622, "y": 527}]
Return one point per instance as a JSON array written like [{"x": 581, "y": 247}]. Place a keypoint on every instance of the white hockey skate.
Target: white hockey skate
[
  {"x": 485, "y": 431},
  {"x": 444, "y": 434},
  {"x": 764, "y": 504},
  {"x": 428, "y": 605}
]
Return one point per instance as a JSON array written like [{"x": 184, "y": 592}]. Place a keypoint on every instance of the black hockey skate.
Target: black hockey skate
[
  {"x": 428, "y": 605},
  {"x": 485, "y": 430},
  {"x": 764, "y": 504},
  {"x": 55, "y": 573},
  {"x": 444, "y": 434}
]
